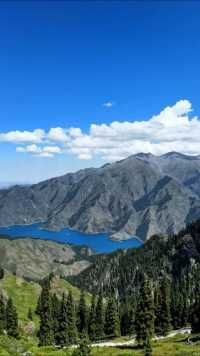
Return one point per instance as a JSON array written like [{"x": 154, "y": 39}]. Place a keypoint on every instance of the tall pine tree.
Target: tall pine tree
[
  {"x": 112, "y": 322},
  {"x": 82, "y": 314},
  {"x": 99, "y": 318},
  {"x": 144, "y": 323},
  {"x": 92, "y": 319},
  {"x": 46, "y": 332},
  {"x": 195, "y": 315},
  {"x": 165, "y": 315},
  {"x": 71, "y": 320},
  {"x": 62, "y": 335},
  {"x": 11, "y": 319}
]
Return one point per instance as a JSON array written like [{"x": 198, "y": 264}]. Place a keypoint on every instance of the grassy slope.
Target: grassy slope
[{"x": 25, "y": 294}]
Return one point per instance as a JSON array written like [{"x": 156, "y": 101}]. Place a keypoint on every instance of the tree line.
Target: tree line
[{"x": 157, "y": 310}]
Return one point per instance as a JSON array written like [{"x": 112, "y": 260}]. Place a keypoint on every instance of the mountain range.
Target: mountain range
[{"x": 141, "y": 195}]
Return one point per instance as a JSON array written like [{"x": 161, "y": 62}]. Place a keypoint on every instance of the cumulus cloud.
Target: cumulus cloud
[
  {"x": 173, "y": 129},
  {"x": 35, "y": 136},
  {"x": 45, "y": 151}
]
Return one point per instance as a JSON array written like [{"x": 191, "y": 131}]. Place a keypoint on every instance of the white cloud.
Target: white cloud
[
  {"x": 172, "y": 130},
  {"x": 35, "y": 136},
  {"x": 108, "y": 104},
  {"x": 45, "y": 151}
]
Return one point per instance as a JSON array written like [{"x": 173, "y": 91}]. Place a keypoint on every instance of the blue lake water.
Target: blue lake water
[{"x": 98, "y": 242}]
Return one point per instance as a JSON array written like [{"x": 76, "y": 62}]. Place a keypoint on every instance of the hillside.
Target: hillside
[
  {"x": 34, "y": 259},
  {"x": 25, "y": 293},
  {"x": 177, "y": 256}
]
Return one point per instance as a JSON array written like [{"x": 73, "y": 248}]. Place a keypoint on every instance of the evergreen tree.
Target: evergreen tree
[
  {"x": 30, "y": 314},
  {"x": 62, "y": 336},
  {"x": 46, "y": 334},
  {"x": 112, "y": 323},
  {"x": 82, "y": 314},
  {"x": 71, "y": 320},
  {"x": 195, "y": 315},
  {"x": 56, "y": 306},
  {"x": 157, "y": 306},
  {"x": 2, "y": 315},
  {"x": 165, "y": 315},
  {"x": 144, "y": 324},
  {"x": 92, "y": 319},
  {"x": 11, "y": 319},
  {"x": 99, "y": 318},
  {"x": 83, "y": 348}
]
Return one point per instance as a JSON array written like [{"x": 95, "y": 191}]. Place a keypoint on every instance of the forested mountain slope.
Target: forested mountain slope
[{"x": 177, "y": 257}]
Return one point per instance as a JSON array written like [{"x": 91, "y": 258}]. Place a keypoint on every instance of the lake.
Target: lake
[{"x": 98, "y": 242}]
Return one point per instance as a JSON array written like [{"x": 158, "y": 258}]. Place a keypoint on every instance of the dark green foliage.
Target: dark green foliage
[
  {"x": 99, "y": 318},
  {"x": 2, "y": 315},
  {"x": 46, "y": 332},
  {"x": 126, "y": 319},
  {"x": 92, "y": 320},
  {"x": 62, "y": 338},
  {"x": 55, "y": 308},
  {"x": 83, "y": 348},
  {"x": 144, "y": 319},
  {"x": 11, "y": 319},
  {"x": 163, "y": 316},
  {"x": 71, "y": 320},
  {"x": 1, "y": 273},
  {"x": 112, "y": 323},
  {"x": 82, "y": 314},
  {"x": 195, "y": 315}
]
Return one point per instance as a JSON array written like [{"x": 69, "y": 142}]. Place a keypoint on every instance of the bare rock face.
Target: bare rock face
[
  {"x": 141, "y": 195},
  {"x": 35, "y": 259}
]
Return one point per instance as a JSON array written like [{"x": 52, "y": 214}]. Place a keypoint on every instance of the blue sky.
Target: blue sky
[{"x": 62, "y": 61}]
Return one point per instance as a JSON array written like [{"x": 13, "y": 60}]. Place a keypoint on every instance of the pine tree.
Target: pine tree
[
  {"x": 46, "y": 334},
  {"x": 124, "y": 319},
  {"x": 99, "y": 318},
  {"x": 62, "y": 336},
  {"x": 2, "y": 315},
  {"x": 144, "y": 324},
  {"x": 195, "y": 315},
  {"x": 56, "y": 306},
  {"x": 83, "y": 348},
  {"x": 11, "y": 319},
  {"x": 82, "y": 314},
  {"x": 71, "y": 320},
  {"x": 165, "y": 315},
  {"x": 92, "y": 319},
  {"x": 112, "y": 323}
]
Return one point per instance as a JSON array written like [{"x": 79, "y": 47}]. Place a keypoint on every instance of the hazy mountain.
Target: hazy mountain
[{"x": 140, "y": 195}]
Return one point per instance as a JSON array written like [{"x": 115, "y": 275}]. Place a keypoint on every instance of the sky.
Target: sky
[{"x": 88, "y": 82}]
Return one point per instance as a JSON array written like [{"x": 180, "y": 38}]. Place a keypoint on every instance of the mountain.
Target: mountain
[
  {"x": 141, "y": 195},
  {"x": 177, "y": 257},
  {"x": 34, "y": 259}
]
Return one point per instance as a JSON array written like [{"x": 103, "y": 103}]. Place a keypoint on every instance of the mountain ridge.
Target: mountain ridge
[{"x": 141, "y": 195}]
